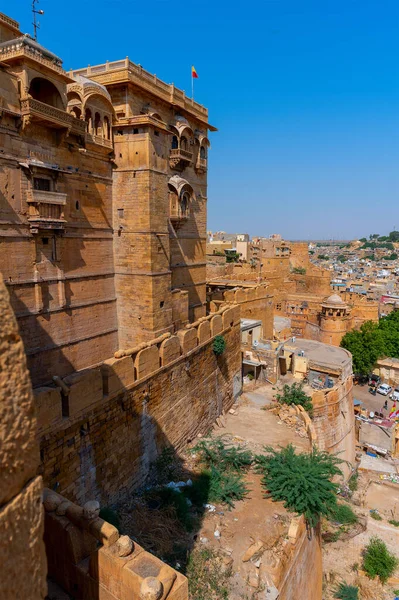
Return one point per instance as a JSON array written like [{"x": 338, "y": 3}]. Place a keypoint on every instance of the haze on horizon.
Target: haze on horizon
[{"x": 305, "y": 97}]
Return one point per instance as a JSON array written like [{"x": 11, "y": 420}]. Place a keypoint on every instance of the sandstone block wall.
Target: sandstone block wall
[
  {"x": 303, "y": 573},
  {"x": 90, "y": 560},
  {"x": 22, "y": 558},
  {"x": 151, "y": 398}
]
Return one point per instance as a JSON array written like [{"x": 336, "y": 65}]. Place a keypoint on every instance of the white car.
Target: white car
[
  {"x": 395, "y": 394},
  {"x": 384, "y": 389}
]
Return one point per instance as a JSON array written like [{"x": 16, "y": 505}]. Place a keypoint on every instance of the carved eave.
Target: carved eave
[{"x": 143, "y": 121}]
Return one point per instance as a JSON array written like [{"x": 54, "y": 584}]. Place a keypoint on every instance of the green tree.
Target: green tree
[
  {"x": 302, "y": 481},
  {"x": 295, "y": 394},
  {"x": 394, "y": 236},
  {"x": 366, "y": 346}
]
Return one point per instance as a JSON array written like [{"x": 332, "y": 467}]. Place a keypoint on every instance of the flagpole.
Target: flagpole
[{"x": 192, "y": 86}]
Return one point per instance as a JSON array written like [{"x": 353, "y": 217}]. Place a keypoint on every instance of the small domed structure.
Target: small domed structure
[{"x": 334, "y": 299}]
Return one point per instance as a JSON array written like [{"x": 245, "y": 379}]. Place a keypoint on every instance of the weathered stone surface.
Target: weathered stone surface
[
  {"x": 22, "y": 557},
  {"x": 86, "y": 389},
  {"x": 48, "y": 406},
  {"x": 19, "y": 456}
]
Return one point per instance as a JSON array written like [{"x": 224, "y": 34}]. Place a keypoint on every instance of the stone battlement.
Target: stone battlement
[{"x": 75, "y": 394}]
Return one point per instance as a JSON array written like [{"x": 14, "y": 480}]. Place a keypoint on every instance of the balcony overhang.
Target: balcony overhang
[
  {"x": 42, "y": 197},
  {"x": 39, "y": 112}
]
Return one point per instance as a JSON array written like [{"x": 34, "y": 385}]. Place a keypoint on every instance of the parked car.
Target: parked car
[
  {"x": 384, "y": 389},
  {"x": 395, "y": 395}
]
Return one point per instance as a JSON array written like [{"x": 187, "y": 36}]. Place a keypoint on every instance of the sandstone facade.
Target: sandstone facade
[{"x": 103, "y": 192}]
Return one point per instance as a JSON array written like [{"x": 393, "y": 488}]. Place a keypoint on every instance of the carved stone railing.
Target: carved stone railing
[
  {"x": 46, "y": 210},
  {"x": 43, "y": 197},
  {"x": 97, "y": 139},
  {"x": 139, "y": 76},
  {"x": 201, "y": 165},
  {"x": 179, "y": 158},
  {"x": 34, "y": 110},
  {"x": 17, "y": 49}
]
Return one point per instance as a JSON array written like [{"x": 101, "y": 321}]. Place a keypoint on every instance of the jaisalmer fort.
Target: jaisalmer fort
[{"x": 181, "y": 414}]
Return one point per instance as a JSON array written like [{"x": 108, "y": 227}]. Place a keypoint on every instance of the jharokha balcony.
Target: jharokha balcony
[
  {"x": 34, "y": 110},
  {"x": 46, "y": 210},
  {"x": 179, "y": 159},
  {"x": 201, "y": 165}
]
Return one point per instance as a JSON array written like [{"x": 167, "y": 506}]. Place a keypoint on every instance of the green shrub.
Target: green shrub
[
  {"x": 225, "y": 466},
  {"x": 342, "y": 513},
  {"x": 299, "y": 270},
  {"x": 375, "y": 515},
  {"x": 353, "y": 482},
  {"x": 295, "y": 394},
  {"x": 215, "y": 452},
  {"x": 301, "y": 481},
  {"x": 378, "y": 560},
  {"x": 226, "y": 487},
  {"x": 394, "y": 522},
  {"x": 346, "y": 592},
  {"x": 219, "y": 345}
]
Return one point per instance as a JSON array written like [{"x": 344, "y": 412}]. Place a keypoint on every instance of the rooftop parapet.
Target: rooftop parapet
[{"x": 125, "y": 70}]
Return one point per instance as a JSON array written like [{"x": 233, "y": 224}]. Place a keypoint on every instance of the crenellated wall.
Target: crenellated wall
[
  {"x": 100, "y": 433},
  {"x": 255, "y": 303}
]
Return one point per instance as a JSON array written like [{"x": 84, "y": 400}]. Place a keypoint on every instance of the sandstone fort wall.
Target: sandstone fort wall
[{"x": 99, "y": 438}]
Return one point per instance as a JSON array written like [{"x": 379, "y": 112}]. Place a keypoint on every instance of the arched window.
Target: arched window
[
  {"x": 202, "y": 153},
  {"x": 183, "y": 143},
  {"x": 97, "y": 124},
  {"x": 76, "y": 112},
  {"x": 184, "y": 204},
  {"x": 89, "y": 120},
  {"x": 46, "y": 92},
  {"x": 175, "y": 142},
  {"x": 107, "y": 128}
]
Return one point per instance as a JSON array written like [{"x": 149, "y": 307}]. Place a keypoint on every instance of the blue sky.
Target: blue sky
[{"x": 305, "y": 94}]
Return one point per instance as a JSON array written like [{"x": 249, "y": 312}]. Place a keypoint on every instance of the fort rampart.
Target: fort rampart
[{"x": 101, "y": 429}]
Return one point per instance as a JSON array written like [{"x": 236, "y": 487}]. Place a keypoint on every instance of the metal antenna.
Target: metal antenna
[{"x": 36, "y": 24}]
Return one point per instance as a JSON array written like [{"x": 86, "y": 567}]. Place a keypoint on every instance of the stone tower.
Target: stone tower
[{"x": 334, "y": 319}]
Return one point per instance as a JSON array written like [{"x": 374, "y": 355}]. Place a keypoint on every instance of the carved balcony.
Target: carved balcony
[
  {"x": 201, "y": 165},
  {"x": 98, "y": 140},
  {"x": 46, "y": 210},
  {"x": 179, "y": 159},
  {"x": 177, "y": 217},
  {"x": 39, "y": 112}
]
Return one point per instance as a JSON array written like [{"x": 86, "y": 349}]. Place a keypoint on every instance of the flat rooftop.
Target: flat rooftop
[
  {"x": 249, "y": 323},
  {"x": 320, "y": 353}
]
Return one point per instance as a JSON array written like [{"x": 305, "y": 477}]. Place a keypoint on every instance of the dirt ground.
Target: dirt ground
[
  {"x": 340, "y": 558},
  {"x": 254, "y": 518}
]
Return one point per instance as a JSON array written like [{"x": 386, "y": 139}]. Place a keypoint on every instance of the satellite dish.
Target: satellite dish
[{"x": 255, "y": 343}]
